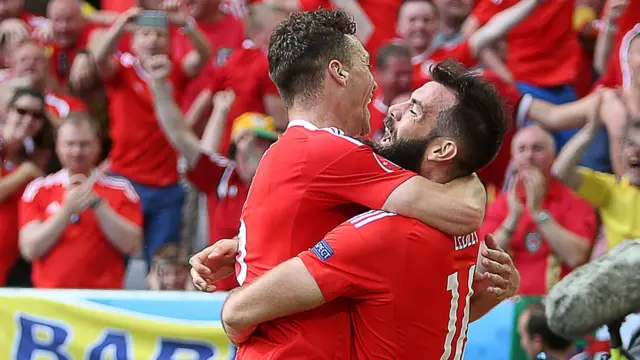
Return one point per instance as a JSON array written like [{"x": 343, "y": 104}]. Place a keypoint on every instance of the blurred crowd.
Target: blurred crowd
[{"x": 93, "y": 175}]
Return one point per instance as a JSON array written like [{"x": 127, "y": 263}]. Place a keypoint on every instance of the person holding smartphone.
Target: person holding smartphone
[{"x": 141, "y": 152}]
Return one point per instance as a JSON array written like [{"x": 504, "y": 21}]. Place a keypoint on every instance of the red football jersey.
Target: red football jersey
[
  {"x": 225, "y": 36},
  {"x": 247, "y": 74},
  {"x": 422, "y": 63},
  {"x": 61, "y": 105},
  {"x": 543, "y": 49},
  {"x": 378, "y": 111},
  {"x": 411, "y": 285},
  {"x": 307, "y": 183},
  {"x": 140, "y": 151},
  {"x": 375, "y": 19},
  {"x": 540, "y": 268},
  {"x": 33, "y": 21},
  {"x": 226, "y": 192},
  {"x": 82, "y": 245}
]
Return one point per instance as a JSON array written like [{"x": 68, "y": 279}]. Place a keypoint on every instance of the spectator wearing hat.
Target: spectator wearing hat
[{"x": 224, "y": 180}]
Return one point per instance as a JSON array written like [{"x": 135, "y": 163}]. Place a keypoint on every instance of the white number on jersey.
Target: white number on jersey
[
  {"x": 453, "y": 285},
  {"x": 242, "y": 253}
]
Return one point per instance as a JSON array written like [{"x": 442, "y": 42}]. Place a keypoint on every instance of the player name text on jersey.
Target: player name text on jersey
[{"x": 464, "y": 241}]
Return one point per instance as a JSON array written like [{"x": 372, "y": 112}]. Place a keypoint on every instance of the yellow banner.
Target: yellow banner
[{"x": 38, "y": 328}]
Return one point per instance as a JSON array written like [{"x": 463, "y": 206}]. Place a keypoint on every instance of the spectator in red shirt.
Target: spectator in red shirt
[
  {"x": 419, "y": 23},
  {"x": 29, "y": 60},
  {"x": 548, "y": 229},
  {"x": 25, "y": 118},
  {"x": 70, "y": 35},
  {"x": 144, "y": 156},
  {"x": 79, "y": 218},
  {"x": 225, "y": 182},
  {"x": 247, "y": 74},
  {"x": 225, "y": 34},
  {"x": 393, "y": 75}
]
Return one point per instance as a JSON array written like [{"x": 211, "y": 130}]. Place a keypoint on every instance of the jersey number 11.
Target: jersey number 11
[{"x": 453, "y": 286}]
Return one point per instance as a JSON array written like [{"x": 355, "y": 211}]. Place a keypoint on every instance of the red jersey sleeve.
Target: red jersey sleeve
[
  {"x": 130, "y": 207},
  {"x": 361, "y": 176},
  {"x": 494, "y": 216},
  {"x": 31, "y": 204},
  {"x": 461, "y": 52},
  {"x": 485, "y": 10},
  {"x": 345, "y": 264},
  {"x": 583, "y": 220},
  {"x": 207, "y": 172}
]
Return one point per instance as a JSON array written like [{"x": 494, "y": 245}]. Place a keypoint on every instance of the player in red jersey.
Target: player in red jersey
[
  {"x": 315, "y": 176},
  {"x": 458, "y": 127}
]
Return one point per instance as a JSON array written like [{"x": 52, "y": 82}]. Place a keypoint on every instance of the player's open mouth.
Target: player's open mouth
[{"x": 634, "y": 163}]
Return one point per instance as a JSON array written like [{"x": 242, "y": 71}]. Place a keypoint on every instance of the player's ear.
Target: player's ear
[
  {"x": 442, "y": 149},
  {"x": 338, "y": 73}
]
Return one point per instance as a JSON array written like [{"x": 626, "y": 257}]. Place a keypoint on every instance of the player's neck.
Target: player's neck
[{"x": 320, "y": 116}]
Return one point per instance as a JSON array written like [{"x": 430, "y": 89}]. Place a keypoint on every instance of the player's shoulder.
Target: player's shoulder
[
  {"x": 380, "y": 222},
  {"x": 118, "y": 186},
  {"x": 44, "y": 184}
]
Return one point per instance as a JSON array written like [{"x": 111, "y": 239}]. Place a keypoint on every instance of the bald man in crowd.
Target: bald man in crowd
[{"x": 545, "y": 227}]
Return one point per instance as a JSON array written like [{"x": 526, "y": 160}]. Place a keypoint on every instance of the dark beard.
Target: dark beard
[{"x": 406, "y": 153}]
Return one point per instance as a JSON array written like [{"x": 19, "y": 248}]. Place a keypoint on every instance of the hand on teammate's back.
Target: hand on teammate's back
[
  {"x": 214, "y": 263},
  {"x": 501, "y": 278}
]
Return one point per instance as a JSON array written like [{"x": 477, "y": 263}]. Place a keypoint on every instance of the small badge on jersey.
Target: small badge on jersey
[
  {"x": 533, "y": 241},
  {"x": 222, "y": 56},
  {"x": 322, "y": 250},
  {"x": 386, "y": 164}
]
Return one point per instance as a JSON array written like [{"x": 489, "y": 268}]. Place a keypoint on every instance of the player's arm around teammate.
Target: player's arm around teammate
[{"x": 290, "y": 288}]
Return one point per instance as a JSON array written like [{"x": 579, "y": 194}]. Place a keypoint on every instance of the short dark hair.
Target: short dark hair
[
  {"x": 301, "y": 47},
  {"x": 537, "y": 326},
  {"x": 478, "y": 121},
  {"x": 391, "y": 50}
]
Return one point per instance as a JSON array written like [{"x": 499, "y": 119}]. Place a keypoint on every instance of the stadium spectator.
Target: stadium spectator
[
  {"x": 393, "y": 74},
  {"x": 18, "y": 166},
  {"x": 71, "y": 34},
  {"x": 30, "y": 61},
  {"x": 224, "y": 33},
  {"x": 247, "y": 75},
  {"x": 375, "y": 19},
  {"x": 170, "y": 269},
  {"x": 539, "y": 341},
  {"x": 79, "y": 218},
  {"x": 225, "y": 182},
  {"x": 544, "y": 57},
  {"x": 452, "y": 14},
  {"x": 546, "y": 228},
  {"x": 617, "y": 200},
  {"x": 144, "y": 156},
  {"x": 419, "y": 31}
]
